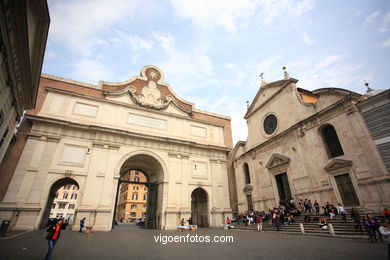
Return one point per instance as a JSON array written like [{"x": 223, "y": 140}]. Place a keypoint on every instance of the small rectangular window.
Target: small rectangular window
[
  {"x": 61, "y": 205},
  {"x": 54, "y": 206},
  {"x": 71, "y": 206}
]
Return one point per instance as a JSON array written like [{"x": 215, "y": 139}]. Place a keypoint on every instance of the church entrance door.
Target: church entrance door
[
  {"x": 346, "y": 190},
  {"x": 283, "y": 186}
]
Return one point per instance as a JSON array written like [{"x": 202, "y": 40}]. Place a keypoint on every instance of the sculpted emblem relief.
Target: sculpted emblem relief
[{"x": 150, "y": 96}]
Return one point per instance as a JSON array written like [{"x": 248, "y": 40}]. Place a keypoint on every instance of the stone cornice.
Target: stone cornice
[
  {"x": 179, "y": 155},
  {"x": 135, "y": 106},
  {"x": 380, "y": 179},
  {"x": 377, "y": 100},
  {"x": 70, "y": 81},
  {"x": 44, "y": 137},
  {"x": 24, "y": 63},
  {"x": 125, "y": 133}
]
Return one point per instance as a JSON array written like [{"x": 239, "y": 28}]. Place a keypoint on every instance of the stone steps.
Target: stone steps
[{"x": 342, "y": 229}]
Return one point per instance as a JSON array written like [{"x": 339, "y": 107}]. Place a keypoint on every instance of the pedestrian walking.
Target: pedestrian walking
[
  {"x": 259, "y": 223},
  {"x": 277, "y": 221},
  {"x": 54, "y": 232},
  {"x": 367, "y": 228},
  {"x": 375, "y": 227},
  {"x": 385, "y": 231},
  {"x": 82, "y": 223}
]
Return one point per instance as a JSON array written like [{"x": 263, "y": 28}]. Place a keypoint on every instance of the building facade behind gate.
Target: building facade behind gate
[{"x": 90, "y": 135}]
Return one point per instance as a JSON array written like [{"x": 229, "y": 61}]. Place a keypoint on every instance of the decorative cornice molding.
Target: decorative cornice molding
[
  {"x": 179, "y": 155},
  {"x": 105, "y": 145},
  {"x": 44, "y": 137},
  {"x": 125, "y": 133}
]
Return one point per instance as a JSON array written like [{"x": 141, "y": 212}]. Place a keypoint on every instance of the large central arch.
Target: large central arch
[{"x": 154, "y": 169}]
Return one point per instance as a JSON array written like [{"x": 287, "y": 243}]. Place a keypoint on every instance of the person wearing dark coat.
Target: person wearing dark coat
[
  {"x": 82, "y": 223},
  {"x": 54, "y": 233}
]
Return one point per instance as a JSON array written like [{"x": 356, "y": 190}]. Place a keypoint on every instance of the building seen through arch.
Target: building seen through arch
[
  {"x": 132, "y": 202},
  {"x": 62, "y": 201},
  {"x": 64, "y": 204}
]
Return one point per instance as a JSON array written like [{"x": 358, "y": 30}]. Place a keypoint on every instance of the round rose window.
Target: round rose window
[{"x": 270, "y": 124}]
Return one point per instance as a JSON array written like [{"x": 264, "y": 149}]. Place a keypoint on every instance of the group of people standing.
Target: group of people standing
[{"x": 278, "y": 216}]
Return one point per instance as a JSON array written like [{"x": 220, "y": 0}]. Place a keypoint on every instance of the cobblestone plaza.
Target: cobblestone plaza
[{"x": 128, "y": 242}]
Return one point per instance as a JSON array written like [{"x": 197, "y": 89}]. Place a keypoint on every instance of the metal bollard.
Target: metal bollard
[
  {"x": 302, "y": 228},
  {"x": 331, "y": 230}
]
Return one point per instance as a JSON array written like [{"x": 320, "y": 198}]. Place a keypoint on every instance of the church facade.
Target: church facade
[
  {"x": 308, "y": 144},
  {"x": 91, "y": 135}
]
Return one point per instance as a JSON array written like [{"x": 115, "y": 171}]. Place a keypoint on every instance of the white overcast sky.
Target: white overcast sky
[{"x": 212, "y": 51}]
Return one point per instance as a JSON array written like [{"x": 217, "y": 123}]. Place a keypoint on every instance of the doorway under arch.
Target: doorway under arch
[
  {"x": 52, "y": 195},
  {"x": 154, "y": 173},
  {"x": 199, "y": 208}
]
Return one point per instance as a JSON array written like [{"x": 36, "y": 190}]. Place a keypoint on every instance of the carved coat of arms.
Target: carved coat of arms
[{"x": 150, "y": 96}]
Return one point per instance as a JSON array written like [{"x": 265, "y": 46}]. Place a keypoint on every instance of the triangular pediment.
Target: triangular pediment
[
  {"x": 266, "y": 93},
  {"x": 337, "y": 164},
  {"x": 277, "y": 160},
  {"x": 248, "y": 188}
]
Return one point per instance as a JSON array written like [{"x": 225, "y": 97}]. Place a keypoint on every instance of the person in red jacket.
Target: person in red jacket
[
  {"x": 54, "y": 232},
  {"x": 259, "y": 223}
]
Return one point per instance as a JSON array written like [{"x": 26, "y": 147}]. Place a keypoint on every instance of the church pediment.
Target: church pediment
[
  {"x": 277, "y": 160},
  {"x": 247, "y": 189},
  {"x": 147, "y": 91},
  {"x": 267, "y": 93},
  {"x": 335, "y": 164}
]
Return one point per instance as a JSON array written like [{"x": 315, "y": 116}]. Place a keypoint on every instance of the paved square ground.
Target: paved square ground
[{"x": 128, "y": 242}]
